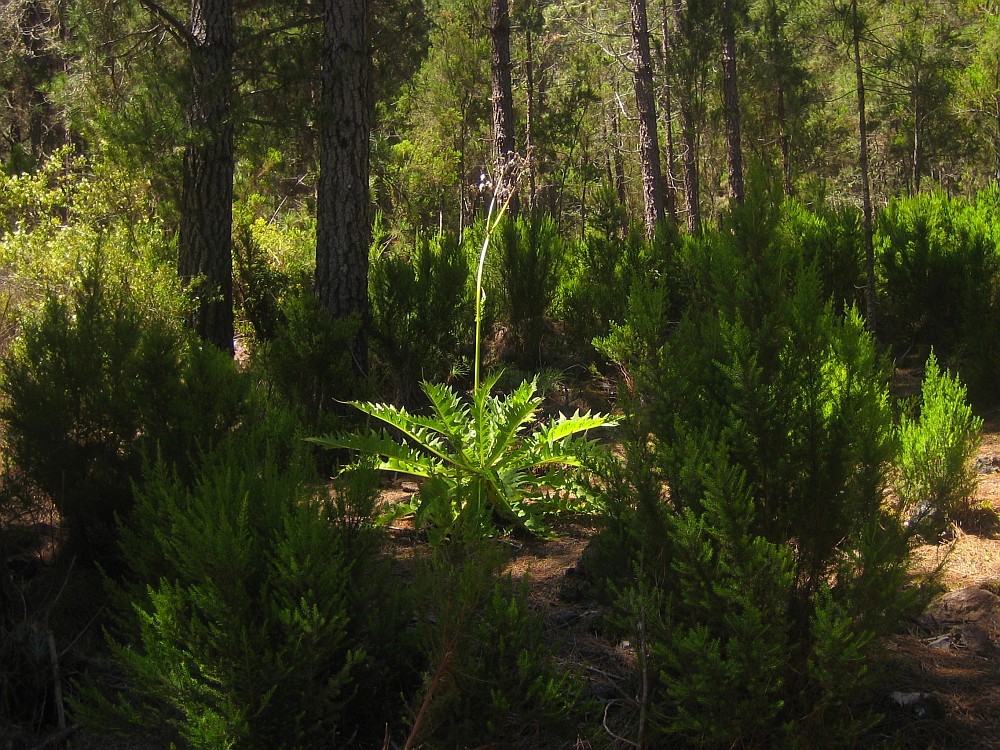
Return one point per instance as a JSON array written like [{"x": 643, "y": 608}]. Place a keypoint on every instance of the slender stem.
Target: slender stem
[
  {"x": 491, "y": 224},
  {"x": 479, "y": 295}
]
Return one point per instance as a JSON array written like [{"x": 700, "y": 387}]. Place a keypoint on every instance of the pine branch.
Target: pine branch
[{"x": 177, "y": 28}]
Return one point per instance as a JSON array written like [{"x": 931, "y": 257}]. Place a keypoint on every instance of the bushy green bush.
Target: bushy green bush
[
  {"x": 600, "y": 279},
  {"x": 830, "y": 237},
  {"x": 767, "y": 563},
  {"x": 309, "y": 362},
  {"x": 274, "y": 257},
  {"x": 243, "y": 621},
  {"x": 421, "y": 312},
  {"x": 491, "y": 679},
  {"x": 936, "y": 478},
  {"x": 529, "y": 261},
  {"x": 939, "y": 261},
  {"x": 50, "y": 222},
  {"x": 95, "y": 383}
]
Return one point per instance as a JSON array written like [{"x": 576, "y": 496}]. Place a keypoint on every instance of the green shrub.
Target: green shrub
[
  {"x": 96, "y": 382},
  {"x": 491, "y": 679},
  {"x": 935, "y": 474},
  {"x": 599, "y": 281},
  {"x": 530, "y": 259},
  {"x": 308, "y": 362},
  {"x": 259, "y": 286},
  {"x": 239, "y": 628},
  {"x": 830, "y": 237},
  {"x": 768, "y": 565},
  {"x": 939, "y": 262},
  {"x": 421, "y": 312}
]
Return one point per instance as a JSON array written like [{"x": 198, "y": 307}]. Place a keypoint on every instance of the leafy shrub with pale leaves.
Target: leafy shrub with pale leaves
[{"x": 480, "y": 462}]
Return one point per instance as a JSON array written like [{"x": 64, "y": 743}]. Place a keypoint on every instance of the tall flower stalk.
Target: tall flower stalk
[
  {"x": 503, "y": 193},
  {"x": 484, "y": 460}
]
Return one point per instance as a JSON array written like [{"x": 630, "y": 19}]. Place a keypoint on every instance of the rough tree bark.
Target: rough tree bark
[
  {"x": 649, "y": 150},
  {"x": 343, "y": 203},
  {"x": 502, "y": 97},
  {"x": 731, "y": 102},
  {"x": 205, "y": 255}
]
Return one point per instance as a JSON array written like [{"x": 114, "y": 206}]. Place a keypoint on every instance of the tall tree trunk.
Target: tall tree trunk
[
  {"x": 918, "y": 155},
  {"x": 731, "y": 102},
  {"x": 689, "y": 136},
  {"x": 775, "y": 42},
  {"x": 343, "y": 206},
  {"x": 205, "y": 254},
  {"x": 649, "y": 149},
  {"x": 529, "y": 110},
  {"x": 786, "y": 162},
  {"x": 504, "y": 146},
  {"x": 866, "y": 193},
  {"x": 617, "y": 160},
  {"x": 668, "y": 114}
]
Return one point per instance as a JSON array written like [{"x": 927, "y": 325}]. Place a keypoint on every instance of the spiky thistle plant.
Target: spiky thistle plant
[{"x": 483, "y": 461}]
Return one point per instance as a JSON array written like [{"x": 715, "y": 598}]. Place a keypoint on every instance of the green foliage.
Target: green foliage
[
  {"x": 308, "y": 361},
  {"x": 936, "y": 478},
  {"x": 421, "y": 311},
  {"x": 940, "y": 268},
  {"x": 479, "y": 461},
  {"x": 51, "y": 221},
  {"x": 238, "y": 630},
  {"x": 530, "y": 263},
  {"x": 609, "y": 279},
  {"x": 771, "y": 566},
  {"x": 491, "y": 679},
  {"x": 830, "y": 237},
  {"x": 96, "y": 382},
  {"x": 274, "y": 254}
]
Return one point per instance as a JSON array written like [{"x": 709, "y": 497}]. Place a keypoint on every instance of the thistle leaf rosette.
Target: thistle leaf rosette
[{"x": 484, "y": 462}]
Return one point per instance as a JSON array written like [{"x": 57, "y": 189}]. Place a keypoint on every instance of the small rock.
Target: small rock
[
  {"x": 920, "y": 705},
  {"x": 987, "y": 464},
  {"x": 969, "y": 604},
  {"x": 941, "y": 641}
]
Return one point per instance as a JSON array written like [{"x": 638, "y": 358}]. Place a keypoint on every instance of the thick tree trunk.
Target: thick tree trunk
[
  {"x": 866, "y": 193},
  {"x": 504, "y": 146},
  {"x": 649, "y": 150},
  {"x": 205, "y": 257},
  {"x": 343, "y": 206},
  {"x": 731, "y": 102}
]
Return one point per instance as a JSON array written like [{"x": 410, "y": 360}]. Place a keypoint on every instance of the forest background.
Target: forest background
[{"x": 227, "y": 226}]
